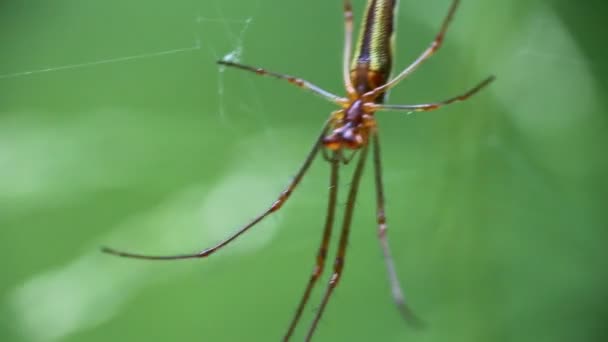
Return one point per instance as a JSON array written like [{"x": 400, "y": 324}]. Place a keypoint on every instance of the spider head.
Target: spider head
[
  {"x": 345, "y": 136},
  {"x": 350, "y": 127}
]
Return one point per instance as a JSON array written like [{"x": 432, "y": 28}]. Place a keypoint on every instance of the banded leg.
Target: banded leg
[
  {"x": 291, "y": 79},
  {"x": 348, "y": 46},
  {"x": 432, "y": 106},
  {"x": 435, "y": 45},
  {"x": 276, "y": 205},
  {"x": 396, "y": 289},
  {"x": 346, "y": 223},
  {"x": 322, "y": 253}
]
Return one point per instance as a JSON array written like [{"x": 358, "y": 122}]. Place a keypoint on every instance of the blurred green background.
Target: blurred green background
[{"x": 117, "y": 128}]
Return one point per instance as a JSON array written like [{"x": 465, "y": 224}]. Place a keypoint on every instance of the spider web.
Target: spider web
[
  {"x": 52, "y": 305},
  {"x": 235, "y": 29},
  {"x": 213, "y": 23},
  {"x": 91, "y": 288},
  {"x": 22, "y": 137}
]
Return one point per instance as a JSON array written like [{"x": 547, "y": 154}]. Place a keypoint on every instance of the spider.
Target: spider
[{"x": 349, "y": 131}]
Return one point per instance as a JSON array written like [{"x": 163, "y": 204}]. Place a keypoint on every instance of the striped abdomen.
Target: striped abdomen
[{"x": 371, "y": 65}]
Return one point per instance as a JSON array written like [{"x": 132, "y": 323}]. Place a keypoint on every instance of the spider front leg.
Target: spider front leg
[
  {"x": 426, "y": 54},
  {"x": 276, "y": 205},
  {"x": 301, "y": 83},
  {"x": 426, "y": 107},
  {"x": 348, "y": 46}
]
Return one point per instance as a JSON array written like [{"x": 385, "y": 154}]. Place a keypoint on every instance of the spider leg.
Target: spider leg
[
  {"x": 432, "y": 106},
  {"x": 347, "y": 159},
  {"x": 291, "y": 79},
  {"x": 348, "y": 46},
  {"x": 276, "y": 205},
  {"x": 396, "y": 289},
  {"x": 325, "y": 155},
  {"x": 435, "y": 45},
  {"x": 346, "y": 223},
  {"x": 322, "y": 253}
]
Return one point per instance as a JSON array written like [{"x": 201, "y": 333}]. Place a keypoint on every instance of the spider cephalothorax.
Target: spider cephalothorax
[{"x": 350, "y": 127}]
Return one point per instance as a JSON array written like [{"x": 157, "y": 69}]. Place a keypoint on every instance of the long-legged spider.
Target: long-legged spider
[{"x": 352, "y": 127}]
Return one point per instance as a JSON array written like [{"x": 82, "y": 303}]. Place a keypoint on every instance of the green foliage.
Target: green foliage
[{"x": 118, "y": 128}]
